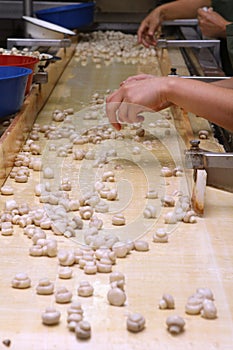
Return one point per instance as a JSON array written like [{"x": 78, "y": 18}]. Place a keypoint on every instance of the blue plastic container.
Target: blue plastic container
[
  {"x": 13, "y": 82},
  {"x": 69, "y": 16}
]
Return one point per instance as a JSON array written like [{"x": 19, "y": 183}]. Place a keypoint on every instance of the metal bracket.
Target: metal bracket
[
  {"x": 219, "y": 166},
  {"x": 11, "y": 42},
  {"x": 164, "y": 43}
]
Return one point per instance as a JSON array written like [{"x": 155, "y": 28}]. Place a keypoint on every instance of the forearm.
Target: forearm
[
  {"x": 226, "y": 83},
  {"x": 205, "y": 100},
  {"x": 181, "y": 9}
]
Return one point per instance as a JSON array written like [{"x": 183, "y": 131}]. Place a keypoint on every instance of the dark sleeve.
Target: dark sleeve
[
  {"x": 229, "y": 31},
  {"x": 161, "y": 2}
]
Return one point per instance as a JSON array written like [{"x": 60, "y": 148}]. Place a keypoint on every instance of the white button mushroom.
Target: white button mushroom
[
  {"x": 160, "y": 236},
  {"x": 118, "y": 219},
  {"x": 65, "y": 272},
  {"x": 135, "y": 323},
  {"x": 194, "y": 304},
  {"x": 51, "y": 316},
  {"x": 85, "y": 289},
  {"x": 141, "y": 246},
  {"x": 167, "y": 302},
  {"x": 45, "y": 287},
  {"x": 83, "y": 330},
  {"x": 175, "y": 324},
  {"x": 149, "y": 212},
  {"x": 21, "y": 281},
  {"x": 63, "y": 295},
  {"x": 116, "y": 296},
  {"x": 209, "y": 310}
]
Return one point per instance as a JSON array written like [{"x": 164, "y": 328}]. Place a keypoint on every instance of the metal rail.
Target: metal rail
[{"x": 38, "y": 42}]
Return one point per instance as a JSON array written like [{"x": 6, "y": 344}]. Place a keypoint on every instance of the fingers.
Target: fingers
[
  {"x": 141, "y": 30},
  {"x": 128, "y": 113},
  {"x": 119, "y": 111},
  {"x": 111, "y": 109},
  {"x": 146, "y": 34},
  {"x": 162, "y": 106},
  {"x": 136, "y": 78}
]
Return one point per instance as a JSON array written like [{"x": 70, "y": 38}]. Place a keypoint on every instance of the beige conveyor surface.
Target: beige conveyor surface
[{"x": 197, "y": 255}]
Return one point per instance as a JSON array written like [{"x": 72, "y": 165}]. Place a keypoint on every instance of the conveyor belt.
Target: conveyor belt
[{"x": 197, "y": 255}]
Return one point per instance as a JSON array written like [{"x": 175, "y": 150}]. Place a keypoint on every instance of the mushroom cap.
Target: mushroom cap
[
  {"x": 50, "y": 316},
  {"x": 206, "y": 293},
  {"x": 135, "y": 322},
  {"x": 168, "y": 298},
  {"x": 116, "y": 296},
  {"x": 175, "y": 324}
]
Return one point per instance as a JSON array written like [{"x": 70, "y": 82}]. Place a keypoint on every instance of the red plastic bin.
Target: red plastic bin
[{"x": 21, "y": 61}]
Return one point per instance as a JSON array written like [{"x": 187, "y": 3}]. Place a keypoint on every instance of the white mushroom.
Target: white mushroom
[
  {"x": 48, "y": 173},
  {"x": 116, "y": 296},
  {"x": 7, "y": 190},
  {"x": 75, "y": 308},
  {"x": 194, "y": 304},
  {"x": 203, "y": 134},
  {"x": 51, "y": 316},
  {"x": 160, "y": 236},
  {"x": 83, "y": 330},
  {"x": 135, "y": 323},
  {"x": 120, "y": 249},
  {"x": 118, "y": 219},
  {"x": 149, "y": 212},
  {"x": 73, "y": 320},
  {"x": 21, "y": 281},
  {"x": 85, "y": 289},
  {"x": 66, "y": 258},
  {"x": 167, "y": 302},
  {"x": 65, "y": 272},
  {"x": 166, "y": 172},
  {"x": 167, "y": 201},
  {"x": 141, "y": 246},
  {"x": 175, "y": 324},
  {"x": 152, "y": 194},
  {"x": 63, "y": 295},
  {"x": 170, "y": 218},
  {"x": 209, "y": 310},
  {"x": 206, "y": 293},
  {"x": 45, "y": 287}
]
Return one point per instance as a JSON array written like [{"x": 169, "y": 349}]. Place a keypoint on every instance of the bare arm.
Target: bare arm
[
  {"x": 173, "y": 10},
  {"x": 209, "y": 101},
  {"x": 212, "y": 24}
]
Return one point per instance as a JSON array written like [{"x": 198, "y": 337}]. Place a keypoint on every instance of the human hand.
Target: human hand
[
  {"x": 212, "y": 24},
  {"x": 137, "y": 77},
  {"x": 147, "y": 29},
  {"x": 134, "y": 97}
]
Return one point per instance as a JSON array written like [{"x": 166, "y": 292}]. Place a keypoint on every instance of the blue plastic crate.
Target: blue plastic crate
[{"x": 69, "y": 16}]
